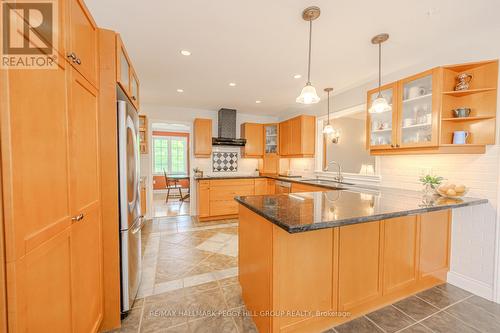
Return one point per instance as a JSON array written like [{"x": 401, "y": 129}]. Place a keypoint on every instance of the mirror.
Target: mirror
[{"x": 347, "y": 146}]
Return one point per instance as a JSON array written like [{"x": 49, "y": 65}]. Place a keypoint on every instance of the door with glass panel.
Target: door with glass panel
[
  {"x": 381, "y": 133},
  {"x": 419, "y": 110}
]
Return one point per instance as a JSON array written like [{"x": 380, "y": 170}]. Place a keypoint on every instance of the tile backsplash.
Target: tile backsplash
[{"x": 225, "y": 161}]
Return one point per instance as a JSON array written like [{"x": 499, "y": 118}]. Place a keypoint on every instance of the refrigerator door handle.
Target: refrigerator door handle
[{"x": 139, "y": 226}]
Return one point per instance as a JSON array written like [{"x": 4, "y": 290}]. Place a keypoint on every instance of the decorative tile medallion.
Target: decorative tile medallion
[{"x": 225, "y": 162}]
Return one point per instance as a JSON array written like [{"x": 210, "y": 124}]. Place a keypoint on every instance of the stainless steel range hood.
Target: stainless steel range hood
[{"x": 227, "y": 130}]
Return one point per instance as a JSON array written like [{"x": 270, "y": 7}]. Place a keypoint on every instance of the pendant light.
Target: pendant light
[
  {"x": 328, "y": 129},
  {"x": 380, "y": 103},
  {"x": 331, "y": 133},
  {"x": 308, "y": 94}
]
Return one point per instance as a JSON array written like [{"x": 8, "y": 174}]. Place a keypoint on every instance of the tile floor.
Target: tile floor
[
  {"x": 190, "y": 284},
  {"x": 174, "y": 207}
]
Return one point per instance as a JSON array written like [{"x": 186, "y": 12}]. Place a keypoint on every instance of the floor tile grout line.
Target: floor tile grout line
[
  {"x": 374, "y": 323},
  {"x": 406, "y": 315},
  {"x": 440, "y": 310},
  {"x": 483, "y": 309},
  {"x": 459, "y": 319}
]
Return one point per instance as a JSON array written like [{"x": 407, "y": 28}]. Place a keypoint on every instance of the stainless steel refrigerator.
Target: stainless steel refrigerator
[{"x": 131, "y": 220}]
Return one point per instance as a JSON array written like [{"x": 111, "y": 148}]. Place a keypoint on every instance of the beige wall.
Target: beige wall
[{"x": 350, "y": 151}]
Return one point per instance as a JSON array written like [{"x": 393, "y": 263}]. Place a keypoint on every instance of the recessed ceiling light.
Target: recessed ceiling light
[
  {"x": 258, "y": 102},
  {"x": 297, "y": 76},
  {"x": 185, "y": 53},
  {"x": 232, "y": 84},
  {"x": 180, "y": 90}
]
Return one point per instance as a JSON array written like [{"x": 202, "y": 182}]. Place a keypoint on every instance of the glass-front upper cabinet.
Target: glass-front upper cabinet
[
  {"x": 380, "y": 126},
  {"x": 271, "y": 138},
  {"x": 418, "y": 113}
]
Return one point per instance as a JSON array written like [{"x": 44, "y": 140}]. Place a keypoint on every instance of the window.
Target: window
[{"x": 170, "y": 153}]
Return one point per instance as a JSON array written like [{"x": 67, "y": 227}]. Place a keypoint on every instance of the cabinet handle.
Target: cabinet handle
[
  {"x": 78, "y": 61},
  {"x": 77, "y": 218},
  {"x": 134, "y": 98},
  {"x": 72, "y": 55},
  {"x": 397, "y": 145},
  {"x": 392, "y": 146}
]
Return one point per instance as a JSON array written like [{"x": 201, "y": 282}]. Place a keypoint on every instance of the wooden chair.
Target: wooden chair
[{"x": 171, "y": 184}]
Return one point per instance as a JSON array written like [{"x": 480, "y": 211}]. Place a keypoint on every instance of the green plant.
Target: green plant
[{"x": 432, "y": 181}]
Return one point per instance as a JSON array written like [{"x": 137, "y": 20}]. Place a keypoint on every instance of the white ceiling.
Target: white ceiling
[{"x": 261, "y": 44}]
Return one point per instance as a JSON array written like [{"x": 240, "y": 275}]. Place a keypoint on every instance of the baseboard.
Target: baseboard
[{"x": 471, "y": 285}]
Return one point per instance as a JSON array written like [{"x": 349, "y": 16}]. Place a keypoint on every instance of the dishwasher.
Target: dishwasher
[{"x": 282, "y": 187}]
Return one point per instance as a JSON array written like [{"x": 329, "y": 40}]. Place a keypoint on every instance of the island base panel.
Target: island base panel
[{"x": 327, "y": 269}]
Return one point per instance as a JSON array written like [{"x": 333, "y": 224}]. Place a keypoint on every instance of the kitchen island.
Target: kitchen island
[{"x": 308, "y": 261}]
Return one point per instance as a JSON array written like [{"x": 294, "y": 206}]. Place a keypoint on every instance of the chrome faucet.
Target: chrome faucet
[{"x": 339, "y": 177}]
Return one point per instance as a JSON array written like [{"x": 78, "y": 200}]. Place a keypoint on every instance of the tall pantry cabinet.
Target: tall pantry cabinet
[{"x": 50, "y": 179}]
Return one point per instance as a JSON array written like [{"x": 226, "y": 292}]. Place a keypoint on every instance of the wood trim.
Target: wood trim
[
  {"x": 395, "y": 108},
  {"x": 3, "y": 277},
  {"x": 443, "y": 149},
  {"x": 109, "y": 181}
]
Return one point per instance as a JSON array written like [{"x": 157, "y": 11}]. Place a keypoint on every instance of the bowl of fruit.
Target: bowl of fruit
[{"x": 452, "y": 191}]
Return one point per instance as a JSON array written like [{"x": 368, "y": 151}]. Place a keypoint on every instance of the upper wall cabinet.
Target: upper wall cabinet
[
  {"x": 81, "y": 50},
  {"x": 297, "y": 137},
  {"x": 125, "y": 73},
  {"x": 202, "y": 137},
  {"x": 425, "y": 116},
  {"x": 254, "y": 134}
]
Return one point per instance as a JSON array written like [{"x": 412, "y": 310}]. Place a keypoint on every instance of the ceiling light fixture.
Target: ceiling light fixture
[
  {"x": 258, "y": 102},
  {"x": 308, "y": 94},
  {"x": 332, "y": 133},
  {"x": 297, "y": 76},
  {"x": 185, "y": 53},
  {"x": 380, "y": 103},
  {"x": 180, "y": 90},
  {"x": 232, "y": 84}
]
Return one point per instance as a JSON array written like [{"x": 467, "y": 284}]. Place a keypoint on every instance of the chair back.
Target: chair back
[{"x": 166, "y": 177}]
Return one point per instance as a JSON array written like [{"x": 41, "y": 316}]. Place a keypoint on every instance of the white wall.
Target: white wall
[{"x": 177, "y": 115}]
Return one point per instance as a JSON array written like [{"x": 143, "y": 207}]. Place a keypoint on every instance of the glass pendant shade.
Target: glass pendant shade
[
  {"x": 308, "y": 95},
  {"x": 380, "y": 105},
  {"x": 328, "y": 129}
]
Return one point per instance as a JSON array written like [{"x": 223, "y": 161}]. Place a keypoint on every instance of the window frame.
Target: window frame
[{"x": 169, "y": 139}]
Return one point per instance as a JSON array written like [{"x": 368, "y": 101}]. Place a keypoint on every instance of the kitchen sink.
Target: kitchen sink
[{"x": 325, "y": 182}]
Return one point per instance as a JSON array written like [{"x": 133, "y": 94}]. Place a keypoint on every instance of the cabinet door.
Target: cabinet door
[
  {"x": 202, "y": 137},
  {"x": 400, "y": 253},
  {"x": 254, "y": 134},
  {"x": 134, "y": 89},
  {"x": 85, "y": 205},
  {"x": 359, "y": 284},
  {"x": 295, "y": 137},
  {"x": 419, "y": 98},
  {"x": 35, "y": 159},
  {"x": 434, "y": 252},
  {"x": 307, "y": 135},
  {"x": 203, "y": 198},
  {"x": 123, "y": 66},
  {"x": 271, "y": 139},
  {"x": 271, "y": 189},
  {"x": 41, "y": 288},
  {"x": 82, "y": 41},
  {"x": 270, "y": 164},
  {"x": 284, "y": 135},
  {"x": 260, "y": 186},
  {"x": 382, "y": 127}
]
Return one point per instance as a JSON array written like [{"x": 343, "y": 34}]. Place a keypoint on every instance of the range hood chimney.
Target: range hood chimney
[{"x": 227, "y": 130}]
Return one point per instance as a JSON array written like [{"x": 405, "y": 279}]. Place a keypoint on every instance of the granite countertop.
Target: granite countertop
[
  {"x": 299, "y": 212},
  {"x": 229, "y": 177}
]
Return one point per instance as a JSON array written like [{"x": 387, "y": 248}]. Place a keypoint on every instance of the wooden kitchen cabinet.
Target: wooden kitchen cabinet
[
  {"x": 400, "y": 253},
  {"x": 297, "y": 137},
  {"x": 203, "y": 198},
  {"x": 254, "y": 134},
  {"x": 434, "y": 252},
  {"x": 261, "y": 186},
  {"x": 86, "y": 242},
  {"x": 202, "y": 135},
  {"x": 360, "y": 271},
  {"x": 126, "y": 76},
  {"x": 296, "y": 188},
  {"x": 271, "y": 160},
  {"x": 421, "y": 120},
  {"x": 143, "y": 134},
  {"x": 82, "y": 41}
]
